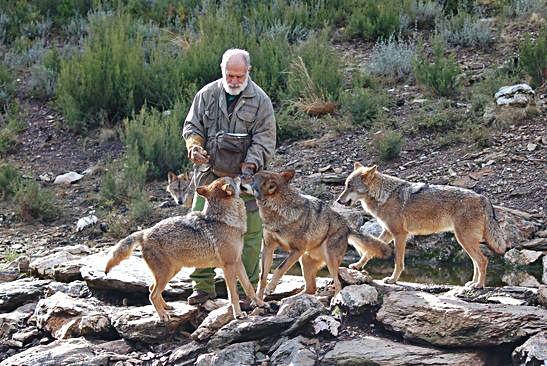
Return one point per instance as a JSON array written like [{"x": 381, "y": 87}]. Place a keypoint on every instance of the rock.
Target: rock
[
  {"x": 544, "y": 277},
  {"x": 74, "y": 351},
  {"x": 8, "y": 276},
  {"x": 250, "y": 328},
  {"x": 326, "y": 324},
  {"x": 333, "y": 178},
  {"x": 355, "y": 298},
  {"x": 67, "y": 178},
  {"x": 142, "y": 323},
  {"x": 351, "y": 276},
  {"x": 293, "y": 352},
  {"x": 536, "y": 244},
  {"x": 354, "y": 216},
  {"x": 522, "y": 257},
  {"x": 532, "y": 352},
  {"x": 520, "y": 278},
  {"x": 14, "y": 321},
  {"x": 512, "y": 295},
  {"x": 531, "y": 146},
  {"x": 187, "y": 352},
  {"x": 542, "y": 295},
  {"x": 213, "y": 322},
  {"x": 447, "y": 321},
  {"x": 62, "y": 266},
  {"x": 295, "y": 306},
  {"x": 304, "y": 319},
  {"x": 24, "y": 335},
  {"x": 291, "y": 285},
  {"x": 16, "y": 293},
  {"x": 74, "y": 289},
  {"x": 371, "y": 227},
  {"x": 235, "y": 354},
  {"x": 519, "y": 95},
  {"x": 67, "y": 317},
  {"x": 370, "y": 350},
  {"x": 85, "y": 222}
]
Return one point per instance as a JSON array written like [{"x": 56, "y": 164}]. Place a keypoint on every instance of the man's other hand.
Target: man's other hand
[{"x": 198, "y": 155}]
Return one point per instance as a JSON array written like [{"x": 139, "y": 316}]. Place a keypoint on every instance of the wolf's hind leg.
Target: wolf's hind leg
[
  {"x": 470, "y": 241},
  {"x": 310, "y": 266},
  {"x": 161, "y": 279},
  {"x": 246, "y": 284},
  {"x": 265, "y": 266},
  {"x": 386, "y": 236}
]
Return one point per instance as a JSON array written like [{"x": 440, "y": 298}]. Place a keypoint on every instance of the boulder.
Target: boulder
[
  {"x": 16, "y": 293},
  {"x": 250, "y": 328},
  {"x": 235, "y": 354},
  {"x": 532, "y": 352},
  {"x": 356, "y": 298}
]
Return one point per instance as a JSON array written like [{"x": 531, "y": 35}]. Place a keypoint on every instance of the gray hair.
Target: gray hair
[{"x": 235, "y": 52}]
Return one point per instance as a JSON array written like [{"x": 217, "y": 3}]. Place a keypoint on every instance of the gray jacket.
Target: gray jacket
[{"x": 253, "y": 114}]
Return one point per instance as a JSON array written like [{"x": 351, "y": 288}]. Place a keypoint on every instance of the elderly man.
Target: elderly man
[{"x": 229, "y": 131}]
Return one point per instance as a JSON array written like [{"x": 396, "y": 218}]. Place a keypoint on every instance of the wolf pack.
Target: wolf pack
[{"x": 307, "y": 228}]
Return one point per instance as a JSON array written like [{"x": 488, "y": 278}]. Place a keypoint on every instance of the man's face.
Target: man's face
[{"x": 235, "y": 77}]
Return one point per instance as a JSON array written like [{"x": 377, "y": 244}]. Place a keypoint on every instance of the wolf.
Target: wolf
[
  {"x": 404, "y": 208},
  {"x": 209, "y": 238},
  {"x": 180, "y": 187},
  {"x": 307, "y": 228}
]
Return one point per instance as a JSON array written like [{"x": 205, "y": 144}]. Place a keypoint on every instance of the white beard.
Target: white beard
[{"x": 234, "y": 91}]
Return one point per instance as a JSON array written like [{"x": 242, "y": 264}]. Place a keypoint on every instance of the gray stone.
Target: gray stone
[
  {"x": 235, "y": 354},
  {"x": 351, "y": 276},
  {"x": 250, "y": 328},
  {"x": 62, "y": 266},
  {"x": 74, "y": 351},
  {"x": 544, "y": 277},
  {"x": 522, "y": 257},
  {"x": 356, "y": 298},
  {"x": 66, "y": 317},
  {"x": 542, "y": 295},
  {"x": 326, "y": 324},
  {"x": 16, "y": 293},
  {"x": 370, "y": 350},
  {"x": 14, "y": 321},
  {"x": 187, "y": 352},
  {"x": 142, "y": 323},
  {"x": 215, "y": 320},
  {"x": 372, "y": 227},
  {"x": 295, "y": 306},
  {"x": 294, "y": 352},
  {"x": 67, "y": 178},
  {"x": 520, "y": 278},
  {"x": 447, "y": 321},
  {"x": 512, "y": 89},
  {"x": 532, "y": 352}
]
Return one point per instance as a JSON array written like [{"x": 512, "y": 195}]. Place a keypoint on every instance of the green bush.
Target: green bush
[
  {"x": 9, "y": 131},
  {"x": 483, "y": 91},
  {"x": 10, "y": 180},
  {"x": 465, "y": 30},
  {"x": 7, "y": 88},
  {"x": 533, "y": 57},
  {"x": 440, "y": 75},
  {"x": 363, "y": 105},
  {"x": 372, "y": 19},
  {"x": 157, "y": 138},
  {"x": 292, "y": 125},
  {"x": 389, "y": 145},
  {"x": 35, "y": 203},
  {"x": 438, "y": 117},
  {"x": 105, "y": 81}
]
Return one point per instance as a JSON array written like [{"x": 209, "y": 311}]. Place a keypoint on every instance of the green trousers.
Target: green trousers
[{"x": 204, "y": 278}]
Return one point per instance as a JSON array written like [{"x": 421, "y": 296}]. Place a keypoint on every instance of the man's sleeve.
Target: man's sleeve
[
  {"x": 263, "y": 136},
  {"x": 193, "y": 130}
]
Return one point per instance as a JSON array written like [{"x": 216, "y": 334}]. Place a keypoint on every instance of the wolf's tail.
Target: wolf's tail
[
  {"x": 369, "y": 246},
  {"x": 492, "y": 231},
  {"x": 123, "y": 250}
]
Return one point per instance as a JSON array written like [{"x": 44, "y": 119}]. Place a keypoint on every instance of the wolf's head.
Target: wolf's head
[
  {"x": 221, "y": 189},
  {"x": 180, "y": 189},
  {"x": 357, "y": 184},
  {"x": 266, "y": 184}
]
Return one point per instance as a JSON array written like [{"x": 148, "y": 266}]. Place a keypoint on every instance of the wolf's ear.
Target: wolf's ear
[
  {"x": 185, "y": 176},
  {"x": 171, "y": 177},
  {"x": 271, "y": 187},
  {"x": 357, "y": 165},
  {"x": 202, "y": 191},
  {"x": 228, "y": 190},
  {"x": 372, "y": 169},
  {"x": 288, "y": 175}
]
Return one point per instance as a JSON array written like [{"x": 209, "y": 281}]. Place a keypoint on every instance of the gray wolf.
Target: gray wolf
[
  {"x": 307, "y": 228},
  {"x": 179, "y": 186},
  {"x": 209, "y": 238},
  {"x": 405, "y": 208}
]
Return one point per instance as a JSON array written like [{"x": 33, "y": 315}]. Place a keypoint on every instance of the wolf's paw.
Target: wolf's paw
[
  {"x": 354, "y": 266},
  {"x": 474, "y": 285},
  {"x": 164, "y": 317},
  {"x": 258, "y": 303},
  {"x": 241, "y": 315},
  {"x": 390, "y": 280},
  {"x": 168, "y": 307}
]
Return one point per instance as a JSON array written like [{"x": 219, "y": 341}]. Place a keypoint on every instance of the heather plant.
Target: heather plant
[
  {"x": 7, "y": 88},
  {"x": 520, "y": 8},
  {"x": 10, "y": 179},
  {"x": 35, "y": 203},
  {"x": 374, "y": 19},
  {"x": 438, "y": 76},
  {"x": 422, "y": 14},
  {"x": 465, "y": 30},
  {"x": 533, "y": 57},
  {"x": 363, "y": 105},
  {"x": 392, "y": 58},
  {"x": 389, "y": 144}
]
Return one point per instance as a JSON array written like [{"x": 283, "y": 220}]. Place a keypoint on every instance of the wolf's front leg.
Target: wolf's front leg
[
  {"x": 265, "y": 265},
  {"x": 233, "y": 297},
  {"x": 282, "y": 269},
  {"x": 400, "y": 244}
]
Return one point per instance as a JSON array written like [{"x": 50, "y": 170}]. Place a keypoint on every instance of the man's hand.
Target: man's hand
[
  {"x": 198, "y": 155},
  {"x": 248, "y": 169}
]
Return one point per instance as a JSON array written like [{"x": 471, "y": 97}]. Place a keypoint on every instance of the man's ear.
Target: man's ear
[
  {"x": 202, "y": 191},
  {"x": 357, "y": 165},
  {"x": 228, "y": 190},
  {"x": 171, "y": 177},
  {"x": 288, "y": 175}
]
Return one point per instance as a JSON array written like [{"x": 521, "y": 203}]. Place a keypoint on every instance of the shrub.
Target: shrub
[
  {"x": 10, "y": 179},
  {"x": 440, "y": 75},
  {"x": 374, "y": 19},
  {"x": 519, "y": 8},
  {"x": 423, "y": 13},
  {"x": 9, "y": 131},
  {"x": 533, "y": 57},
  {"x": 292, "y": 125},
  {"x": 157, "y": 139},
  {"x": 389, "y": 145},
  {"x": 106, "y": 79},
  {"x": 364, "y": 106},
  {"x": 482, "y": 92},
  {"x": 35, "y": 203},
  {"x": 465, "y": 30},
  {"x": 391, "y": 58},
  {"x": 7, "y": 88}
]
